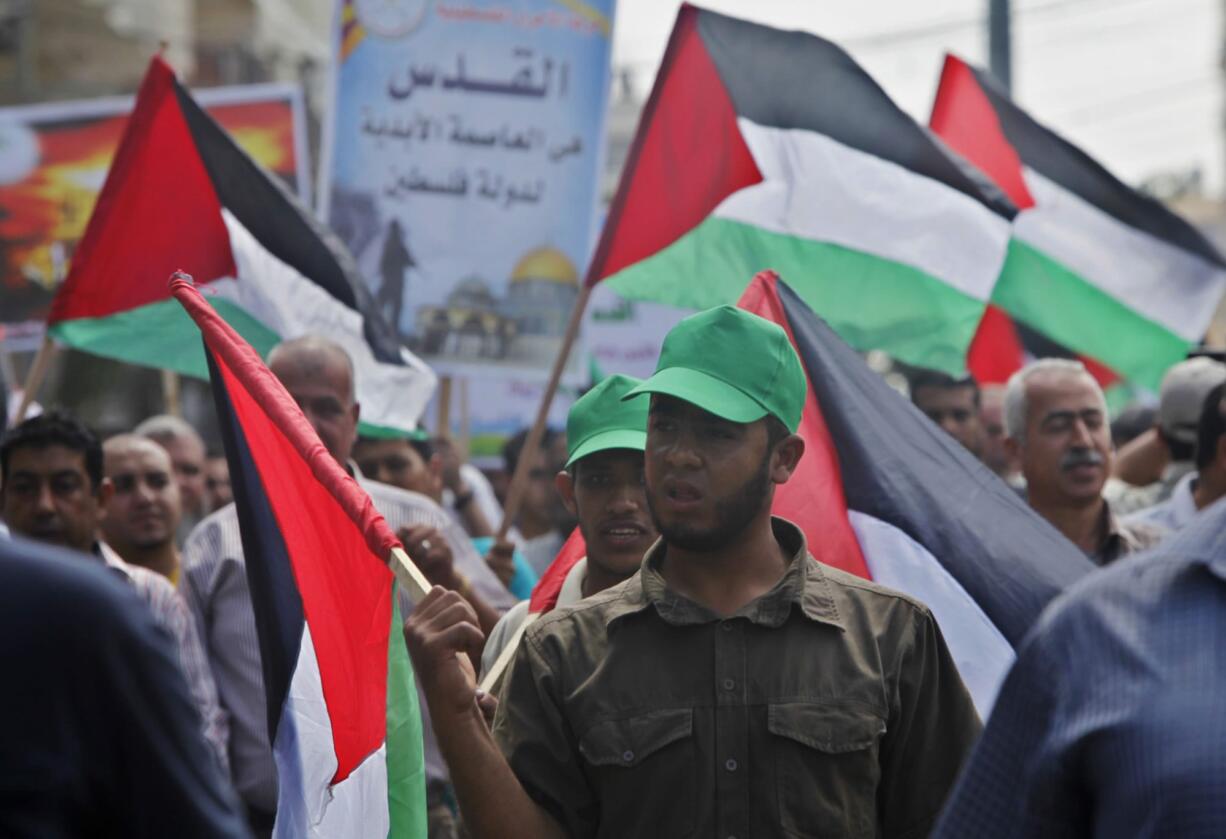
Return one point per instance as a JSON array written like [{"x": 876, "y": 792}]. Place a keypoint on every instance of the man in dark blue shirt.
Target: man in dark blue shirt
[
  {"x": 1112, "y": 722},
  {"x": 100, "y": 735}
]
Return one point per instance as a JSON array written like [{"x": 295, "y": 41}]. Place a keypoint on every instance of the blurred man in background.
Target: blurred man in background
[
  {"x": 543, "y": 522},
  {"x": 217, "y": 482},
  {"x": 1207, "y": 483},
  {"x": 186, "y": 449},
  {"x": 952, "y": 404},
  {"x": 1056, "y": 421},
  {"x": 142, "y": 514},
  {"x": 1150, "y": 467}
]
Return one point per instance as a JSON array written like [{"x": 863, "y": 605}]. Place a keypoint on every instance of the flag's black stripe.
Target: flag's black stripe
[
  {"x": 788, "y": 80},
  {"x": 283, "y": 226},
  {"x": 279, "y": 620},
  {"x": 1060, "y": 161},
  {"x": 902, "y": 469}
]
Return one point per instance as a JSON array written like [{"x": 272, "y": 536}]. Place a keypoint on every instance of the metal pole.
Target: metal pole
[{"x": 1000, "y": 43}]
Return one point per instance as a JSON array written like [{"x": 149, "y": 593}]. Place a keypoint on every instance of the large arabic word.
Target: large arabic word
[{"x": 523, "y": 81}]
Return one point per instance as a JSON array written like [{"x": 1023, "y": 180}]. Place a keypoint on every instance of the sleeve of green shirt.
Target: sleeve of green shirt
[
  {"x": 538, "y": 742},
  {"x": 932, "y": 726}
]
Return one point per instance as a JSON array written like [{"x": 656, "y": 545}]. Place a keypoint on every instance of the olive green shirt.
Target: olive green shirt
[{"x": 829, "y": 706}]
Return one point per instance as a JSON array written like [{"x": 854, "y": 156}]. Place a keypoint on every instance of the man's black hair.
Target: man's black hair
[
  {"x": 1211, "y": 427},
  {"x": 942, "y": 381},
  {"x": 54, "y": 429},
  {"x": 512, "y": 448},
  {"x": 1132, "y": 422}
]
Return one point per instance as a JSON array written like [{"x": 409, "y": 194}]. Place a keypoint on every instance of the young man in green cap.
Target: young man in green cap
[
  {"x": 733, "y": 686},
  {"x": 602, "y": 487}
]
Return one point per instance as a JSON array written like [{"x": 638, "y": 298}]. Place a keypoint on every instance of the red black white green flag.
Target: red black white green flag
[
  {"x": 1093, "y": 264},
  {"x": 884, "y": 493},
  {"x": 760, "y": 148},
  {"x": 343, "y": 716},
  {"x": 182, "y": 194}
]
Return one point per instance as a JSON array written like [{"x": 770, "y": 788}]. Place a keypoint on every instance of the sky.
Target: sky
[{"x": 1136, "y": 83}]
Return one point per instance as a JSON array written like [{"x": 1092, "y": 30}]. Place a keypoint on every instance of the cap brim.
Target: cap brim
[
  {"x": 616, "y": 438},
  {"x": 713, "y": 395}
]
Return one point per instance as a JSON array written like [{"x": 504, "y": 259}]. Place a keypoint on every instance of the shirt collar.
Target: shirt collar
[
  {"x": 111, "y": 559},
  {"x": 803, "y": 584}
]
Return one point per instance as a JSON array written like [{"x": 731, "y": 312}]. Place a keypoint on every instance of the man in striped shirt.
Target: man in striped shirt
[{"x": 319, "y": 376}]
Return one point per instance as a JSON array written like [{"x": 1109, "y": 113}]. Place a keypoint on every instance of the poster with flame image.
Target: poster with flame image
[{"x": 54, "y": 159}]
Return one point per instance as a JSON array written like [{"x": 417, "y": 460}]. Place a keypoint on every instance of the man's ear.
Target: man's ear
[
  {"x": 435, "y": 465},
  {"x": 786, "y": 457},
  {"x": 565, "y": 485},
  {"x": 106, "y": 491},
  {"x": 1013, "y": 449}
]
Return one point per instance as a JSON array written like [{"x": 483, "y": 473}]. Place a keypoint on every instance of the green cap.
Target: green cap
[
  {"x": 600, "y": 420},
  {"x": 733, "y": 364}
]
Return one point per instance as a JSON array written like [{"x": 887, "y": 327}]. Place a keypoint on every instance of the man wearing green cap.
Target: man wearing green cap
[
  {"x": 602, "y": 486},
  {"x": 732, "y": 687}
]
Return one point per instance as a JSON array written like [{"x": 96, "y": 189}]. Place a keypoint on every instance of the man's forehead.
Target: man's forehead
[
  {"x": 384, "y": 448},
  {"x": 1063, "y": 392},
  {"x": 46, "y": 460}
]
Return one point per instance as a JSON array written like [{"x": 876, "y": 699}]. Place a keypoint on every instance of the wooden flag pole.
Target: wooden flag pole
[
  {"x": 34, "y": 380},
  {"x": 532, "y": 444},
  {"x": 490, "y": 680},
  {"x": 443, "y": 425},
  {"x": 409, "y": 575},
  {"x": 466, "y": 425},
  {"x": 172, "y": 402}
]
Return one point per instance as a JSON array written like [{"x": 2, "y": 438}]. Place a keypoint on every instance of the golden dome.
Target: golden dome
[{"x": 545, "y": 264}]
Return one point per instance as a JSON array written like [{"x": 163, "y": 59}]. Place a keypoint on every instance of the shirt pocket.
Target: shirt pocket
[
  {"x": 826, "y": 768},
  {"x": 643, "y": 770}
]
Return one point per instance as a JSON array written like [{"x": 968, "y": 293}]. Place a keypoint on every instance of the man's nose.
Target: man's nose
[{"x": 45, "y": 500}]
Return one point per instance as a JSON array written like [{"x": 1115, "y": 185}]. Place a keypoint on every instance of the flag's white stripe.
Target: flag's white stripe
[
  {"x": 817, "y": 188},
  {"x": 982, "y": 653},
  {"x": 1166, "y": 284},
  {"x": 306, "y": 805},
  {"x": 291, "y": 305}
]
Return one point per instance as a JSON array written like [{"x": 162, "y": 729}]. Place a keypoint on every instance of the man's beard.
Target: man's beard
[{"x": 732, "y": 514}]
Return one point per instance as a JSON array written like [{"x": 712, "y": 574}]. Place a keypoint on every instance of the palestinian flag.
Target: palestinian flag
[
  {"x": 884, "y": 493},
  {"x": 182, "y": 194},
  {"x": 760, "y": 148},
  {"x": 342, "y": 706},
  {"x": 1094, "y": 264}
]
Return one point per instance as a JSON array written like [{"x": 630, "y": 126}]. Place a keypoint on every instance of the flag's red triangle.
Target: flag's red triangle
[
  {"x": 813, "y": 498},
  {"x": 549, "y": 586},
  {"x": 688, "y": 155},
  {"x": 157, "y": 211}
]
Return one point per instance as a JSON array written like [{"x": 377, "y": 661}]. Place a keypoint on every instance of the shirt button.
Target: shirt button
[
  {"x": 730, "y": 765},
  {"x": 729, "y": 684},
  {"x": 627, "y": 755},
  {"x": 726, "y": 626}
]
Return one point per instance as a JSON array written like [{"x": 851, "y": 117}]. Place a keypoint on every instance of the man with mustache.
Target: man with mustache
[
  {"x": 1057, "y": 427},
  {"x": 733, "y": 686}
]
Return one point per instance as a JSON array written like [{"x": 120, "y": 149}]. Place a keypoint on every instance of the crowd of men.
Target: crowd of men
[{"x": 701, "y": 675}]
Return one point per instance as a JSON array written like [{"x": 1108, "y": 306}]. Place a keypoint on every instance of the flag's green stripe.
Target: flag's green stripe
[
  {"x": 406, "y": 763},
  {"x": 160, "y": 335},
  {"x": 873, "y": 303},
  {"x": 1041, "y": 292}
]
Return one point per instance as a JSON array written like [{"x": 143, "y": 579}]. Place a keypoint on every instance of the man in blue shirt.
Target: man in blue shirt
[
  {"x": 1112, "y": 722},
  {"x": 101, "y": 735}
]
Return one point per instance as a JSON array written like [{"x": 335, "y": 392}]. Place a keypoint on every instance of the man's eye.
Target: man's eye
[
  {"x": 123, "y": 483},
  {"x": 158, "y": 481}
]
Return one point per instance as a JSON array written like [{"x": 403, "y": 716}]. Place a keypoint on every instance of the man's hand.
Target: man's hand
[
  {"x": 430, "y": 551},
  {"x": 443, "y": 625},
  {"x": 501, "y": 560}
]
